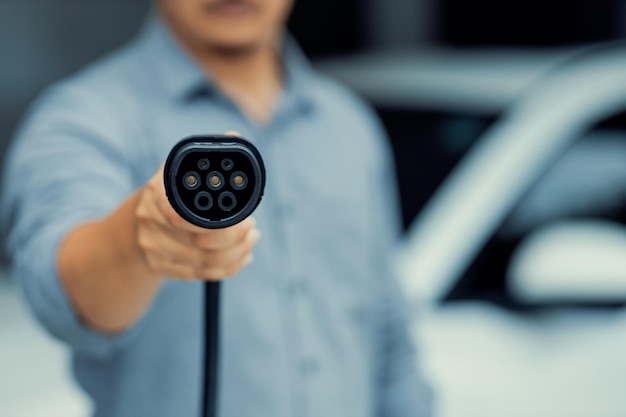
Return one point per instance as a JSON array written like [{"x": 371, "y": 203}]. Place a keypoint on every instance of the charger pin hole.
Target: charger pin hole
[
  {"x": 215, "y": 180},
  {"x": 227, "y": 164},
  {"x": 191, "y": 180},
  {"x": 204, "y": 164},
  {"x": 238, "y": 180}
]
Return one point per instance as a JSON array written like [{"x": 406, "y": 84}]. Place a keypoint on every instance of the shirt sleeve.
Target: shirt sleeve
[
  {"x": 402, "y": 389},
  {"x": 68, "y": 165}
]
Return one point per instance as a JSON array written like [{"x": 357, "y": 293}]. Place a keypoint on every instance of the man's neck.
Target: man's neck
[{"x": 251, "y": 78}]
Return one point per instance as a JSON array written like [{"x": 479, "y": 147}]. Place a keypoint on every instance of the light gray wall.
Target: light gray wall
[{"x": 42, "y": 41}]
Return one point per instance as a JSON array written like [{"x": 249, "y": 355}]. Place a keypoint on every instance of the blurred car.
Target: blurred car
[{"x": 514, "y": 259}]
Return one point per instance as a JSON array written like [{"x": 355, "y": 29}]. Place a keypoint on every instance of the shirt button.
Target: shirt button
[{"x": 309, "y": 366}]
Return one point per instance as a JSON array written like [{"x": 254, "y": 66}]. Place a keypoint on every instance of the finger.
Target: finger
[
  {"x": 155, "y": 239},
  {"x": 232, "y": 133},
  {"x": 149, "y": 216},
  {"x": 171, "y": 269},
  {"x": 149, "y": 209},
  {"x": 219, "y": 273},
  {"x": 216, "y": 239},
  {"x": 234, "y": 255},
  {"x": 154, "y": 204},
  {"x": 176, "y": 221},
  {"x": 159, "y": 207}
]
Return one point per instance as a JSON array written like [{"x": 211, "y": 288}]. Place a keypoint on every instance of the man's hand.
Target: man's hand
[
  {"x": 174, "y": 248},
  {"x": 112, "y": 268}
]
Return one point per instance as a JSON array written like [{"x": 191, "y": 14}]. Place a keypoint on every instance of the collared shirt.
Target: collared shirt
[{"x": 314, "y": 327}]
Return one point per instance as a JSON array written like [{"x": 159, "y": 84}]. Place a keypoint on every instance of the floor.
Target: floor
[
  {"x": 34, "y": 376},
  {"x": 484, "y": 362}
]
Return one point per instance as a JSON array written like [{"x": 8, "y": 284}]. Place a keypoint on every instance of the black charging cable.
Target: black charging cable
[
  {"x": 195, "y": 201},
  {"x": 211, "y": 348}
]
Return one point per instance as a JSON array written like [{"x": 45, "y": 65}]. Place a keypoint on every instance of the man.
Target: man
[{"x": 314, "y": 326}]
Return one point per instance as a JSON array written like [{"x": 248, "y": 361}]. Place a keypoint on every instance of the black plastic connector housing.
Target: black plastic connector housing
[{"x": 214, "y": 181}]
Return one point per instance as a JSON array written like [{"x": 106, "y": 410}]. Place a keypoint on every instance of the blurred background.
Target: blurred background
[{"x": 508, "y": 124}]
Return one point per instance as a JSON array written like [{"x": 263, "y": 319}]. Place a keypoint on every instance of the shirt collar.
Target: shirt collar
[
  {"x": 182, "y": 78},
  {"x": 179, "y": 75},
  {"x": 299, "y": 74}
]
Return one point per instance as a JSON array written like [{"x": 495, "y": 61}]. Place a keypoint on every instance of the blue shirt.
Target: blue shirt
[{"x": 314, "y": 327}]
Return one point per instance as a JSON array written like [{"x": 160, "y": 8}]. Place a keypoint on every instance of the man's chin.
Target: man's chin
[{"x": 232, "y": 47}]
